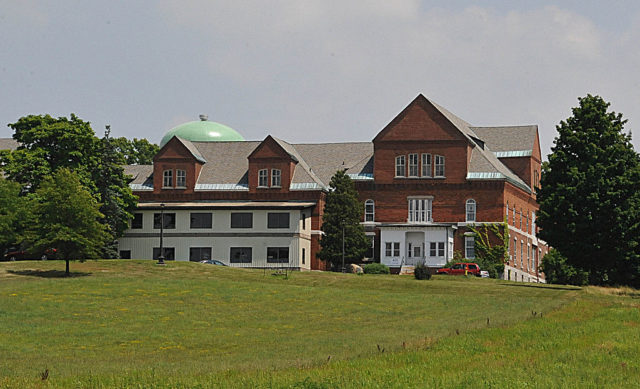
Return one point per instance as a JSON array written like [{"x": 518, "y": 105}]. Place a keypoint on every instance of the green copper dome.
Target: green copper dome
[{"x": 203, "y": 131}]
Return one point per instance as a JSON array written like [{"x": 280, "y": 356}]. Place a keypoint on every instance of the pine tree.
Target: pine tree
[
  {"x": 590, "y": 195},
  {"x": 342, "y": 213}
]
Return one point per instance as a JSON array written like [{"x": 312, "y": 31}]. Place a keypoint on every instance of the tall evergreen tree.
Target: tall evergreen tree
[
  {"x": 590, "y": 195},
  {"x": 118, "y": 201},
  {"x": 342, "y": 210}
]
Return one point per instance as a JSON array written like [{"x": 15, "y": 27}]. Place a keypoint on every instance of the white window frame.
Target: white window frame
[
  {"x": 507, "y": 212},
  {"x": 420, "y": 209},
  {"x": 276, "y": 178},
  {"x": 263, "y": 178},
  {"x": 470, "y": 208},
  {"x": 391, "y": 249},
  {"x": 439, "y": 166},
  {"x": 369, "y": 211},
  {"x": 167, "y": 178},
  {"x": 413, "y": 165},
  {"x": 426, "y": 165},
  {"x": 181, "y": 178},
  {"x": 400, "y": 165},
  {"x": 469, "y": 247}
]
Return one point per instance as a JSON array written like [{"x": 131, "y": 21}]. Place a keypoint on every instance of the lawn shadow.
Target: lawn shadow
[
  {"x": 542, "y": 286},
  {"x": 48, "y": 273}
]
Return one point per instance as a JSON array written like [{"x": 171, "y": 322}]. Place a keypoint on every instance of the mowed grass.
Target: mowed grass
[{"x": 133, "y": 323}]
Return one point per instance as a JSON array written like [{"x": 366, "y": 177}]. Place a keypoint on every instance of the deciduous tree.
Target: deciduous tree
[{"x": 67, "y": 218}]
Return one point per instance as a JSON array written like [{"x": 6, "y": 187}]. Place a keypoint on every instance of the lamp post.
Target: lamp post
[
  {"x": 343, "y": 268},
  {"x": 161, "y": 256}
]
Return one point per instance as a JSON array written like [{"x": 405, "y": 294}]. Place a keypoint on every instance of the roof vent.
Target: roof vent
[{"x": 203, "y": 117}]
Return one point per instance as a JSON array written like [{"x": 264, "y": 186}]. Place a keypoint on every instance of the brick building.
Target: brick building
[{"x": 423, "y": 180}]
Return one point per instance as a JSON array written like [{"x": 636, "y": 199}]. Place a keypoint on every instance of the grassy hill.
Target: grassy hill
[{"x": 132, "y": 323}]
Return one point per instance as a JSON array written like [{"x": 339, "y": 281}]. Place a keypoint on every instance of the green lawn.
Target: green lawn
[{"x": 135, "y": 324}]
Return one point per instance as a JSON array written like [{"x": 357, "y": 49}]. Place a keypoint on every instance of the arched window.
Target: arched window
[
  {"x": 369, "y": 211},
  {"x": 471, "y": 210}
]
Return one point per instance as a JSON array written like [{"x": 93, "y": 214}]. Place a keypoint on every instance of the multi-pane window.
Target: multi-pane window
[
  {"x": 426, "y": 165},
  {"x": 278, "y": 220},
  {"x": 521, "y": 254},
  {"x": 277, "y": 255},
  {"x": 201, "y": 220},
  {"x": 169, "y": 253},
  {"x": 514, "y": 215},
  {"x": 167, "y": 179},
  {"x": 263, "y": 177},
  {"x": 369, "y": 211},
  {"x": 419, "y": 210},
  {"x": 125, "y": 254},
  {"x": 181, "y": 178},
  {"x": 169, "y": 220},
  {"x": 515, "y": 251},
  {"x": 520, "y": 218},
  {"x": 392, "y": 249},
  {"x": 436, "y": 249},
  {"x": 400, "y": 166},
  {"x": 439, "y": 165},
  {"x": 137, "y": 221},
  {"x": 276, "y": 178},
  {"x": 371, "y": 249},
  {"x": 197, "y": 254},
  {"x": 242, "y": 220},
  {"x": 469, "y": 247},
  {"x": 471, "y": 210},
  {"x": 240, "y": 254},
  {"x": 413, "y": 165}
]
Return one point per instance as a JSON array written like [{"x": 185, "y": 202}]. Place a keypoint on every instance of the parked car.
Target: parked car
[
  {"x": 213, "y": 262},
  {"x": 461, "y": 269},
  {"x": 17, "y": 254}
]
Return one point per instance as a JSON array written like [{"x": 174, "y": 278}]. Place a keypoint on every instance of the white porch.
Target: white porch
[{"x": 413, "y": 244}]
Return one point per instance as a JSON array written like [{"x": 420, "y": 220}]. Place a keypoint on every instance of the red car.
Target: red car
[
  {"x": 461, "y": 269},
  {"x": 14, "y": 254}
]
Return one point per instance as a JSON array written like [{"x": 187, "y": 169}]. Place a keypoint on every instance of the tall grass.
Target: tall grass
[{"x": 132, "y": 323}]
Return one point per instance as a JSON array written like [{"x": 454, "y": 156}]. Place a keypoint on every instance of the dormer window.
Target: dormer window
[
  {"x": 400, "y": 166},
  {"x": 439, "y": 159},
  {"x": 276, "y": 178},
  {"x": 167, "y": 179},
  {"x": 181, "y": 178},
  {"x": 263, "y": 178}
]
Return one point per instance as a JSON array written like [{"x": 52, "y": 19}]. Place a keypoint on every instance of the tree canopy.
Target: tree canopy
[
  {"x": 136, "y": 151},
  {"x": 47, "y": 144},
  {"x": 67, "y": 219},
  {"x": 589, "y": 195},
  {"x": 342, "y": 209},
  {"x": 15, "y": 213}
]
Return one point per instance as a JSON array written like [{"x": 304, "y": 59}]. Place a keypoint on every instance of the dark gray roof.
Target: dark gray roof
[
  {"x": 227, "y": 162},
  {"x": 483, "y": 163},
  {"x": 325, "y": 159},
  {"x": 509, "y": 138},
  {"x": 192, "y": 149},
  {"x": 8, "y": 144}
]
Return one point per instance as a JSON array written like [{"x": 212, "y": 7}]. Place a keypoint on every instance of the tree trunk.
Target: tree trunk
[{"x": 66, "y": 273}]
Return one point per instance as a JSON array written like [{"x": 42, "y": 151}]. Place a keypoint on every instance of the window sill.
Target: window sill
[
  {"x": 276, "y": 186},
  {"x": 262, "y": 187}
]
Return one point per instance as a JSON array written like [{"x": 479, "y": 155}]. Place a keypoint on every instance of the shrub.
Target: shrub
[
  {"x": 557, "y": 271},
  {"x": 421, "y": 272},
  {"x": 376, "y": 268}
]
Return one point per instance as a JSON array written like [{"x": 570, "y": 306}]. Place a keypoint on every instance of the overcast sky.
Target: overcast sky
[{"x": 314, "y": 71}]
